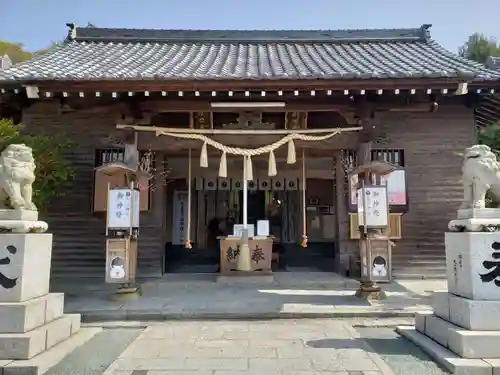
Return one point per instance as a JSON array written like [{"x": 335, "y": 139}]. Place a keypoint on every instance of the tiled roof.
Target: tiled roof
[
  {"x": 129, "y": 54},
  {"x": 493, "y": 63}
]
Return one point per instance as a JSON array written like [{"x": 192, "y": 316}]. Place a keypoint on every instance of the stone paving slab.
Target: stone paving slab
[
  {"x": 284, "y": 347},
  {"x": 301, "y": 297},
  {"x": 240, "y": 347}
]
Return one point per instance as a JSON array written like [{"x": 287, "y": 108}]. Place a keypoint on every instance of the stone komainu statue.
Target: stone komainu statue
[
  {"x": 17, "y": 174},
  {"x": 480, "y": 174}
]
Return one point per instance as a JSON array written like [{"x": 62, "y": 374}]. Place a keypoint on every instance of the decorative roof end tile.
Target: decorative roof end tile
[
  {"x": 426, "y": 30},
  {"x": 71, "y": 31}
]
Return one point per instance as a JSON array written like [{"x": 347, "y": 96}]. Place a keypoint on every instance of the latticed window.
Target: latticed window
[
  {"x": 393, "y": 156},
  {"x": 108, "y": 155}
]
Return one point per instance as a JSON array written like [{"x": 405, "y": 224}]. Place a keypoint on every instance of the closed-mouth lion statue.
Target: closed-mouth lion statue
[
  {"x": 480, "y": 174},
  {"x": 17, "y": 174}
]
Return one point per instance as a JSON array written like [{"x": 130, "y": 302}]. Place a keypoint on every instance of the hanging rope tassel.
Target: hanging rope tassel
[
  {"x": 223, "y": 166},
  {"x": 249, "y": 168},
  {"x": 272, "y": 165},
  {"x": 204, "y": 156},
  {"x": 304, "y": 208},
  {"x": 188, "y": 235},
  {"x": 291, "y": 156}
]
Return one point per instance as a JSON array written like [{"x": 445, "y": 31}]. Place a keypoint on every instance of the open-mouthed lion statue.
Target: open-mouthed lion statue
[
  {"x": 17, "y": 174},
  {"x": 480, "y": 174}
]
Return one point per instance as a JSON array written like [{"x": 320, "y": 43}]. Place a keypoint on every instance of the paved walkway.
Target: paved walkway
[
  {"x": 238, "y": 348},
  {"x": 291, "y": 295},
  {"x": 276, "y": 347}
]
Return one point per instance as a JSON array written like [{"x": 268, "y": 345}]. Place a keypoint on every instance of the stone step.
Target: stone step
[
  {"x": 467, "y": 313},
  {"x": 444, "y": 357},
  {"x": 44, "y": 361},
  {"x": 412, "y": 274},
  {"x": 438, "y": 265},
  {"x": 27, "y": 345},
  {"x": 463, "y": 342},
  {"x": 21, "y": 317}
]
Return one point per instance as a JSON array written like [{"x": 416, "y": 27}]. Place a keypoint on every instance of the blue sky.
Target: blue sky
[{"x": 36, "y": 23}]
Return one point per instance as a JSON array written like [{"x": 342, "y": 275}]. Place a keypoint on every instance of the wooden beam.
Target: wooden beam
[
  {"x": 234, "y": 85},
  {"x": 235, "y": 131},
  {"x": 195, "y": 105},
  {"x": 149, "y": 141}
]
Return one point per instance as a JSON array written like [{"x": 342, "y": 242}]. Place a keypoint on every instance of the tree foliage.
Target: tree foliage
[
  {"x": 479, "y": 47},
  {"x": 53, "y": 173},
  {"x": 15, "y": 51},
  {"x": 490, "y": 136}
]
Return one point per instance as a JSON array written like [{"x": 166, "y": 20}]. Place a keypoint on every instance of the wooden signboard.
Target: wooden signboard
[
  {"x": 393, "y": 231},
  {"x": 121, "y": 260},
  {"x": 260, "y": 254}
]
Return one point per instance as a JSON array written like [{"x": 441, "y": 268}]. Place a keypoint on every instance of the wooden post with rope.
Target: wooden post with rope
[{"x": 303, "y": 243}]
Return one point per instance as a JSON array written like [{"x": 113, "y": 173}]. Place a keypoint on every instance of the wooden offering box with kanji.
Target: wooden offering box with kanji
[{"x": 260, "y": 253}]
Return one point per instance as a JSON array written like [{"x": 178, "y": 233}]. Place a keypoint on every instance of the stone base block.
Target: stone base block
[
  {"x": 474, "y": 344},
  {"x": 25, "y": 266},
  {"x": 43, "y": 362},
  {"x": 27, "y": 345},
  {"x": 472, "y": 224},
  {"x": 434, "y": 327},
  {"x": 19, "y": 226},
  {"x": 441, "y": 304},
  {"x": 20, "y": 317},
  {"x": 467, "y": 257},
  {"x": 449, "y": 360},
  {"x": 464, "y": 343},
  {"x": 474, "y": 315},
  {"x": 478, "y": 213},
  {"x": 23, "y": 215}
]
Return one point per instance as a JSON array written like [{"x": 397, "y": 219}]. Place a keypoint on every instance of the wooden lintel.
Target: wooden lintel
[
  {"x": 226, "y": 85},
  {"x": 156, "y": 129},
  {"x": 148, "y": 141},
  {"x": 204, "y": 106}
]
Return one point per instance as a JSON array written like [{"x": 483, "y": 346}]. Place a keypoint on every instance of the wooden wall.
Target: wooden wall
[
  {"x": 430, "y": 142},
  {"x": 79, "y": 243}
]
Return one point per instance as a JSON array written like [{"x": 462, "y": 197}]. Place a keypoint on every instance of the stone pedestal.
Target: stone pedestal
[
  {"x": 463, "y": 331},
  {"x": 31, "y": 318}
]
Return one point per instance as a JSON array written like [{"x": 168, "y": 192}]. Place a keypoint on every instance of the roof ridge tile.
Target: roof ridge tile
[{"x": 222, "y": 35}]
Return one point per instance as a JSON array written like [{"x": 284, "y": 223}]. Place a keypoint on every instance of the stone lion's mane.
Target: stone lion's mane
[
  {"x": 483, "y": 156},
  {"x": 9, "y": 162}
]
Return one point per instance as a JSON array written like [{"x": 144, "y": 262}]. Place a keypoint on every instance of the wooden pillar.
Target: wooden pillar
[
  {"x": 159, "y": 205},
  {"x": 342, "y": 239}
]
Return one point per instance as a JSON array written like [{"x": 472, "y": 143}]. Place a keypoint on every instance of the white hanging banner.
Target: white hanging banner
[
  {"x": 180, "y": 217},
  {"x": 123, "y": 208},
  {"x": 375, "y": 206},
  {"x": 360, "y": 206}
]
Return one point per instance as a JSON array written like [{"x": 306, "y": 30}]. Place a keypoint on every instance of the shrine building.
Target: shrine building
[{"x": 191, "y": 100}]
